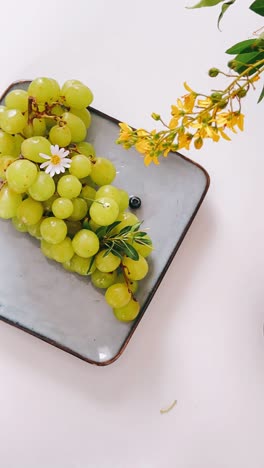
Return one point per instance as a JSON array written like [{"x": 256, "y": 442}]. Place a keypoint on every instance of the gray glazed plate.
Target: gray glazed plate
[{"x": 40, "y": 297}]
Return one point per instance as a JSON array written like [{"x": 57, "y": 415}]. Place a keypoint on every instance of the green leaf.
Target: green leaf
[
  {"x": 261, "y": 95},
  {"x": 112, "y": 226},
  {"x": 140, "y": 234},
  {"x": 117, "y": 253},
  {"x": 101, "y": 231},
  {"x": 249, "y": 45},
  {"x": 244, "y": 60},
  {"x": 143, "y": 241},
  {"x": 136, "y": 226},
  {"x": 258, "y": 7},
  {"x": 206, "y": 3},
  {"x": 225, "y": 7},
  {"x": 130, "y": 252},
  {"x": 125, "y": 230},
  {"x": 91, "y": 264}
]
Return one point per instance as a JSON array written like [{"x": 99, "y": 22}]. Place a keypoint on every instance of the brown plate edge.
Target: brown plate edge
[{"x": 148, "y": 300}]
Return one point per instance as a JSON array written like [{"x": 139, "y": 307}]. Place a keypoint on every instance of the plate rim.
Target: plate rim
[{"x": 160, "y": 278}]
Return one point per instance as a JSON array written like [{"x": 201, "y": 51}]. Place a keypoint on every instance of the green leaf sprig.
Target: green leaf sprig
[{"x": 121, "y": 243}]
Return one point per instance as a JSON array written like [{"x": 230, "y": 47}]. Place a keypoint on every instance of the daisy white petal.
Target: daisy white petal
[
  {"x": 48, "y": 169},
  {"x": 45, "y": 156},
  {"x": 66, "y": 160},
  {"x": 52, "y": 172},
  {"x": 63, "y": 169},
  {"x": 45, "y": 164},
  {"x": 54, "y": 149}
]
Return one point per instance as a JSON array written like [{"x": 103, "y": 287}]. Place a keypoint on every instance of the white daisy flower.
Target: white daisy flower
[{"x": 57, "y": 162}]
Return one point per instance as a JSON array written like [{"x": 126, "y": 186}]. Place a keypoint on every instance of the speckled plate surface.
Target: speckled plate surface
[{"x": 40, "y": 297}]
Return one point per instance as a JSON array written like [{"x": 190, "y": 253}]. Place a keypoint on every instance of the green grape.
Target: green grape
[
  {"x": 73, "y": 227},
  {"x": 50, "y": 123},
  {"x": 67, "y": 266},
  {"x": 88, "y": 194},
  {"x": 126, "y": 219},
  {"x": 47, "y": 204},
  {"x": 19, "y": 225},
  {"x": 106, "y": 262},
  {"x": 68, "y": 84},
  {"x": 34, "y": 229},
  {"x": 32, "y": 147},
  {"x": 63, "y": 251},
  {"x": 132, "y": 285},
  {"x": 78, "y": 96},
  {"x": 104, "y": 211},
  {"x": 12, "y": 121},
  {"x": 109, "y": 191},
  {"x": 46, "y": 248},
  {"x": 76, "y": 126},
  {"x": 86, "y": 148},
  {"x": 82, "y": 266},
  {"x": 57, "y": 110},
  {"x": 142, "y": 249},
  {"x": 30, "y": 211},
  {"x": 2, "y": 109},
  {"x": 83, "y": 114},
  {"x": 135, "y": 269},
  {"x": 62, "y": 208},
  {"x": 9, "y": 202},
  {"x": 5, "y": 162},
  {"x": 103, "y": 280},
  {"x": 79, "y": 209},
  {"x": 44, "y": 90},
  {"x": 60, "y": 135},
  {"x": 43, "y": 187},
  {"x": 21, "y": 174},
  {"x": 18, "y": 140},
  {"x": 7, "y": 144},
  {"x": 53, "y": 230},
  {"x": 93, "y": 225},
  {"x": 129, "y": 312},
  {"x": 103, "y": 172},
  {"x": 69, "y": 186},
  {"x": 117, "y": 295},
  {"x": 39, "y": 127},
  {"x": 85, "y": 243},
  {"x": 124, "y": 200},
  {"x": 17, "y": 99},
  {"x": 36, "y": 128},
  {"x": 81, "y": 166}
]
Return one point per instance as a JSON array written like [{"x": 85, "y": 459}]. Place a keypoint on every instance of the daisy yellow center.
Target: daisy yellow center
[{"x": 55, "y": 159}]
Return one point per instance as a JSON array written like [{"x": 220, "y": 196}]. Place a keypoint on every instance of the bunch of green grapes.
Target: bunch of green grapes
[{"x": 55, "y": 187}]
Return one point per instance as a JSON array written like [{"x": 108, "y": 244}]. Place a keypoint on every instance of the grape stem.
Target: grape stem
[
  {"x": 124, "y": 268},
  {"x": 2, "y": 183}
]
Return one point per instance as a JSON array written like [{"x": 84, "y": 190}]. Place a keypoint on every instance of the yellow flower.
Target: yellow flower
[
  {"x": 174, "y": 123},
  {"x": 184, "y": 140},
  {"x": 149, "y": 159},
  {"x": 230, "y": 120},
  {"x": 141, "y": 132},
  {"x": 125, "y": 132},
  {"x": 187, "y": 87},
  {"x": 142, "y": 146},
  {"x": 189, "y": 100},
  {"x": 204, "y": 102},
  {"x": 223, "y": 134},
  {"x": 212, "y": 133},
  {"x": 198, "y": 143},
  {"x": 175, "y": 111}
]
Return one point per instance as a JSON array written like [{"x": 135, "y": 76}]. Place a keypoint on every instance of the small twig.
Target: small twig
[{"x": 166, "y": 410}]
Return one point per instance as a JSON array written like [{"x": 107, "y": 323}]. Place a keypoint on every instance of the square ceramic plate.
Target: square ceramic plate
[{"x": 40, "y": 297}]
